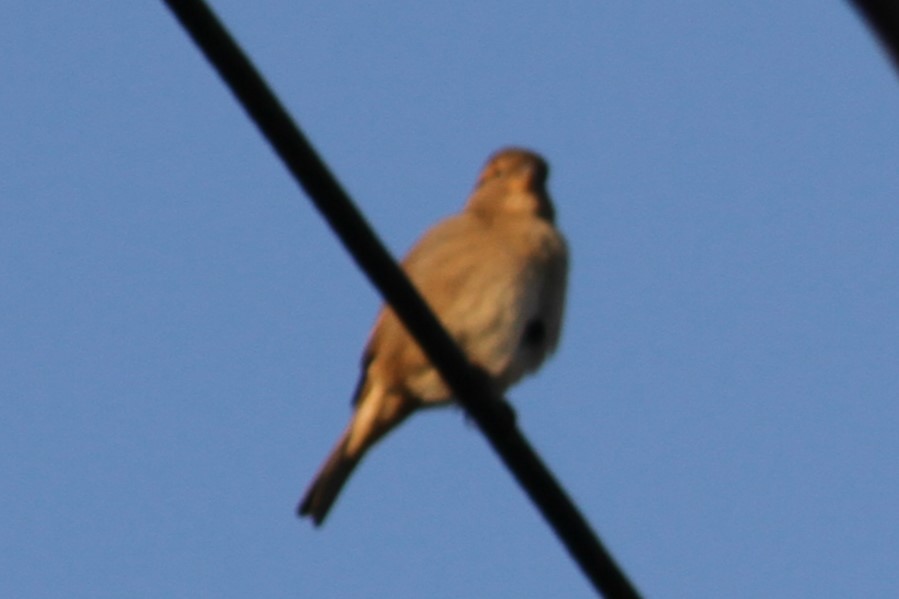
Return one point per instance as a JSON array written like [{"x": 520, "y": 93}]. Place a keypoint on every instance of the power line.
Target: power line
[
  {"x": 883, "y": 17},
  {"x": 470, "y": 385}
]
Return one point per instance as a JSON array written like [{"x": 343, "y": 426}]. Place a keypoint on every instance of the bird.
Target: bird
[{"x": 495, "y": 275}]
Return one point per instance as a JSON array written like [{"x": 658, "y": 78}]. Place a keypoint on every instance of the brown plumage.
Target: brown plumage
[{"x": 495, "y": 275}]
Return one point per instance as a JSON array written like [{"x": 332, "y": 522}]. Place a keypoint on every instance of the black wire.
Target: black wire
[
  {"x": 883, "y": 17},
  {"x": 470, "y": 385}
]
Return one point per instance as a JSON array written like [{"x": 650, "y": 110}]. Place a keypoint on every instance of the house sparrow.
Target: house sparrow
[{"x": 495, "y": 276}]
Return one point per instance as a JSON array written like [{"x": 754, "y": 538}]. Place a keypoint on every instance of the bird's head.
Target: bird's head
[{"x": 513, "y": 181}]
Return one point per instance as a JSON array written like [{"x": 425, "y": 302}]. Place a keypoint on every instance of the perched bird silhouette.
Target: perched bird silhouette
[{"x": 495, "y": 276}]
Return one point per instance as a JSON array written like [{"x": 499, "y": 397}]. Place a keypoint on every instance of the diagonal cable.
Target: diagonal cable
[
  {"x": 882, "y": 17},
  {"x": 469, "y": 384}
]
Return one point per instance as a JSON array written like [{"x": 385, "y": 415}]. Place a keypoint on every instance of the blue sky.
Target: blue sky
[{"x": 180, "y": 333}]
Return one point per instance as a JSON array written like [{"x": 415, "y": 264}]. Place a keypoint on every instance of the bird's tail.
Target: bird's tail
[
  {"x": 328, "y": 482},
  {"x": 376, "y": 414}
]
